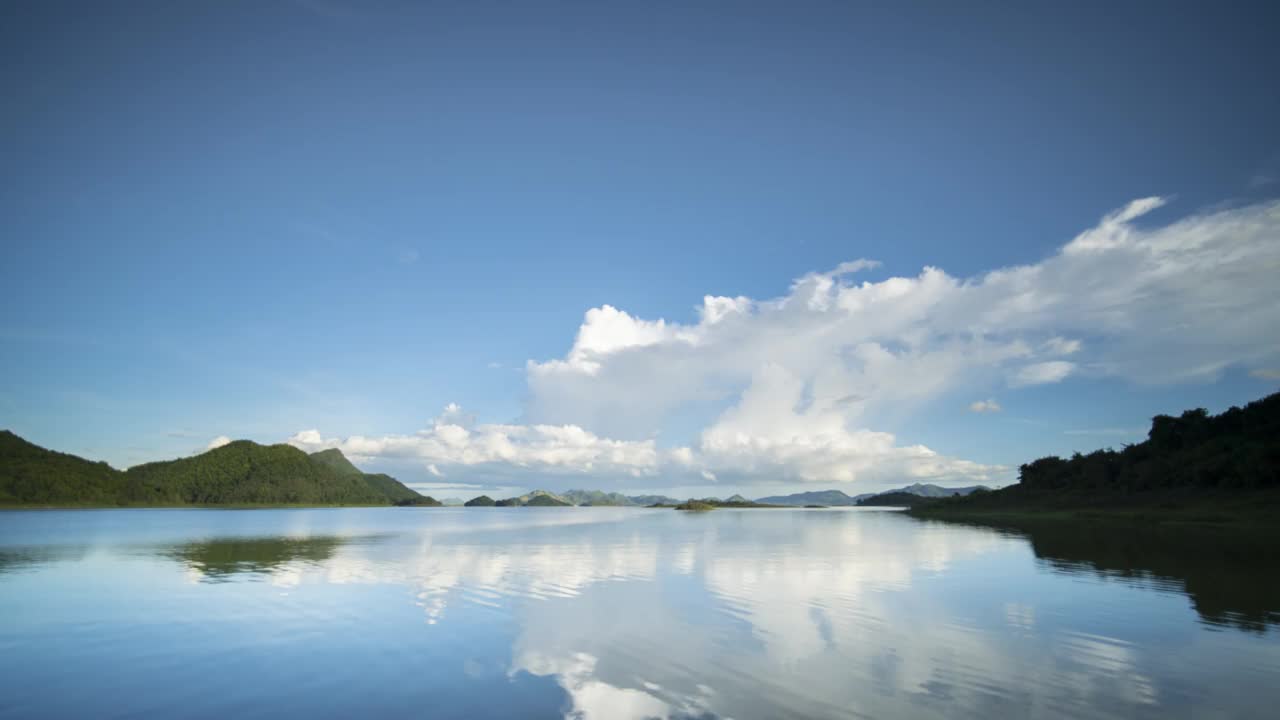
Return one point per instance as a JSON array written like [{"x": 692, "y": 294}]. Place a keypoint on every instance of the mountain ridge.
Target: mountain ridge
[{"x": 838, "y": 498}]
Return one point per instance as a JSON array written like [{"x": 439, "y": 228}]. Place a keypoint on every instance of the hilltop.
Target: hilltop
[
  {"x": 389, "y": 487},
  {"x": 238, "y": 473},
  {"x": 537, "y": 498}
]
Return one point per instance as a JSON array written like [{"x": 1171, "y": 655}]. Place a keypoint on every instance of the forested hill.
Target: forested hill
[
  {"x": 1227, "y": 463},
  {"x": 240, "y": 472},
  {"x": 392, "y": 489},
  {"x": 30, "y": 474}
]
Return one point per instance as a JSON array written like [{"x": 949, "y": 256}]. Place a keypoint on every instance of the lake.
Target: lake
[{"x": 626, "y": 613}]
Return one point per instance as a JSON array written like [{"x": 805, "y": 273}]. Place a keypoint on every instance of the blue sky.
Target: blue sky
[{"x": 259, "y": 219}]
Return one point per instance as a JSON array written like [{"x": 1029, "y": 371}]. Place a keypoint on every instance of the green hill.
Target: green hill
[
  {"x": 240, "y": 472},
  {"x": 894, "y": 499},
  {"x": 246, "y": 472},
  {"x": 596, "y": 498},
  {"x": 32, "y": 475},
  {"x": 1200, "y": 467},
  {"x": 546, "y": 500},
  {"x": 481, "y": 501},
  {"x": 334, "y": 458},
  {"x": 390, "y": 488},
  {"x": 537, "y": 498}
]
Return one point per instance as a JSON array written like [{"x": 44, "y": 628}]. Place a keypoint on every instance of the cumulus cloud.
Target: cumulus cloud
[
  {"x": 985, "y": 406},
  {"x": 455, "y": 439},
  {"x": 794, "y": 387},
  {"x": 217, "y": 442},
  {"x": 1172, "y": 303}
]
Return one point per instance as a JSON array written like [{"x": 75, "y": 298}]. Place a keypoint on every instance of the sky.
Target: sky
[{"x": 696, "y": 248}]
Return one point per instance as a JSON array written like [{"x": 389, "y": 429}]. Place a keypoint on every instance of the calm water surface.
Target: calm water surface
[{"x": 622, "y": 613}]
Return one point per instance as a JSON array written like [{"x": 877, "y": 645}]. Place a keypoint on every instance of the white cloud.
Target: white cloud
[
  {"x": 985, "y": 406},
  {"x": 217, "y": 442},
  {"x": 1266, "y": 373},
  {"x": 792, "y": 388},
  {"x": 454, "y": 439},
  {"x": 1173, "y": 303},
  {"x": 1042, "y": 373}
]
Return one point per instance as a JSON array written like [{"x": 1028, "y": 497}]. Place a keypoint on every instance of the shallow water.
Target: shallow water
[{"x": 619, "y": 613}]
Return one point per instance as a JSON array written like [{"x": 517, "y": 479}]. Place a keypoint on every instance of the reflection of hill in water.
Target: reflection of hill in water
[
  {"x": 13, "y": 559},
  {"x": 220, "y": 559},
  {"x": 1229, "y": 574}
]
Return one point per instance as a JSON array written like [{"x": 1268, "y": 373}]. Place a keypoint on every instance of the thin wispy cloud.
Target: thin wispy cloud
[{"x": 985, "y": 406}]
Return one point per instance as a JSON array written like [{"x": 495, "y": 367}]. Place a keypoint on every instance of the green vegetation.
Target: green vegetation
[
  {"x": 239, "y": 473},
  {"x": 394, "y": 490},
  {"x": 894, "y": 499},
  {"x": 420, "y": 501},
  {"x": 1194, "y": 468},
  {"x": 696, "y": 506},
  {"x": 334, "y": 458},
  {"x": 482, "y": 501},
  {"x": 32, "y": 475},
  {"x": 390, "y": 488}
]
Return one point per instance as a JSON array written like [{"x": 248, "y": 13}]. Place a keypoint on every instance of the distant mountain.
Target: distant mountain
[
  {"x": 596, "y": 498},
  {"x": 546, "y": 500},
  {"x": 481, "y": 501},
  {"x": 832, "y": 498},
  {"x": 241, "y": 472},
  {"x": 452, "y": 502},
  {"x": 537, "y": 498},
  {"x": 736, "y": 499},
  {"x": 647, "y": 500},
  {"x": 836, "y": 498},
  {"x": 935, "y": 491},
  {"x": 894, "y": 499}
]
